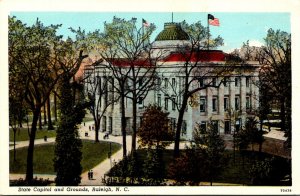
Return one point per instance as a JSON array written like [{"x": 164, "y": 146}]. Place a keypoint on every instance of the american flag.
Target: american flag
[
  {"x": 212, "y": 20},
  {"x": 145, "y": 23}
]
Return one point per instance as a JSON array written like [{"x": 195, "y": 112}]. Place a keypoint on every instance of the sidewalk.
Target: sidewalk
[
  {"x": 105, "y": 165},
  {"x": 21, "y": 144}
]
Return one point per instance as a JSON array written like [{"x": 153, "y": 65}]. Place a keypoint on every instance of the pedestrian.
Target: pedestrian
[
  {"x": 90, "y": 127},
  {"x": 89, "y": 174},
  {"x": 92, "y": 173},
  {"x": 83, "y": 123}
]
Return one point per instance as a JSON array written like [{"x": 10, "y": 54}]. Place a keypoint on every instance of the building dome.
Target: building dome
[{"x": 172, "y": 31}]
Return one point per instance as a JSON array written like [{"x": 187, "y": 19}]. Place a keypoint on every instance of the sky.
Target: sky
[{"x": 235, "y": 28}]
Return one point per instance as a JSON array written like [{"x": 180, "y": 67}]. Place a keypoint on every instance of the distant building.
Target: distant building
[{"x": 227, "y": 106}]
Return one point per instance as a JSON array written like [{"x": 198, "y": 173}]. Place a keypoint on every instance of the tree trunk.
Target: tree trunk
[
  {"x": 97, "y": 127},
  {"x": 45, "y": 115},
  {"x": 50, "y": 126},
  {"x": 134, "y": 116},
  {"x": 55, "y": 107},
  {"x": 260, "y": 143},
  {"x": 29, "y": 171},
  {"x": 234, "y": 144},
  {"x": 123, "y": 123},
  {"x": 179, "y": 124},
  {"x": 14, "y": 130},
  {"x": 40, "y": 121}
]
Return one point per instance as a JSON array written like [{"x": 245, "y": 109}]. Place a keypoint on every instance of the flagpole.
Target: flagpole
[
  {"x": 207, "y": 33},
  {"x": 143, "y": 33}
]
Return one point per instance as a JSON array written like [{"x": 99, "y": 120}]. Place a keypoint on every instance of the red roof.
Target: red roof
[
  {"x": 203, "y": 56},
  {"x": 124, "y": 62}
]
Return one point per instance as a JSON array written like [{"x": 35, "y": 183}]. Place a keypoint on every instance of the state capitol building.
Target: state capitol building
[{"x": 227, "y": 101}]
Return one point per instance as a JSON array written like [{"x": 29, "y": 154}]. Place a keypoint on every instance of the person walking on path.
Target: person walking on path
[{"x": 89, "y": 174}]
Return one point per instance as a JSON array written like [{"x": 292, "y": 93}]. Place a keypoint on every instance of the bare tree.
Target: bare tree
[
  {"x": 97, "y": 91},
  {"x": 136, "y": 56},
  {"x": 192, "y": 72},
  {"x": 128, "y": 59}
]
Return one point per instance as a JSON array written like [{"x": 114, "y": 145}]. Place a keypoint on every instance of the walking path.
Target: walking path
[{"x": 104, "y": 166}]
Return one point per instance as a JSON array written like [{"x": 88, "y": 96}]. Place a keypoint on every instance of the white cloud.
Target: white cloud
[{"x": 255, "y": 43}]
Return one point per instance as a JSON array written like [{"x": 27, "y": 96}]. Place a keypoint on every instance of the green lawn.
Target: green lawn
[
  {"x": 22, "y": 134},
  {"x": 93, "y": 154}
]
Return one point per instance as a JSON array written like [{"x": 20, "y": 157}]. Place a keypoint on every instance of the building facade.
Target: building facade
[{"x": 226, "y": 99}]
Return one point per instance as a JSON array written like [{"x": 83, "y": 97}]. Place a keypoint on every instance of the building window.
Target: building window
[
  {"x": 105, "y": 99},
  {"x": 225, "y": 81},
  {"x": 201, "y": 82},
  {"x": 237, "y": 125},
  {"x": 104, "y": 124},
  {"x": 248, "y": 82},
  {"x": 166, "y": 82},
  {"x": 227, "y": 129},
  {"x": 98, "y": 84},
  {"x": 173, "y": 124},
  {"x": 110, "y": 124},
  {"x": 141, "y": 120},
  {"x": 158, "y": 81},
  {"x": 173, "y": 103},
  {"x": 105, "y": 83},
  {"x": 214, "y": 81},
  {"x": 203, "y": 127},
  {"x": 215, "y": 125},
  {"x": 183, "y": 128},
  {"x": 111, "y": 86},
  {"x": 237, "y": 81},
  {"x": 159, "y": 100},
  {"x": 214, "y": 104},
  {"x": 237, "y": 103},
  {"x": 166, "y": 103},
  {"x": 126, "y": 85},
  {"x": 248, "y": 102},
  {"x": 140, "y": 82},
  {"x": 141, "y": 102},
  {"x": 173, "y": 83},
  {"x": 226, "y": 103},
  {"x": 202, "y": 104}
]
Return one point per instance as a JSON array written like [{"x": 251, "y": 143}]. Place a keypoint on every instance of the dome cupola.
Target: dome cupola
[{"x": 172, "y": 31}]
